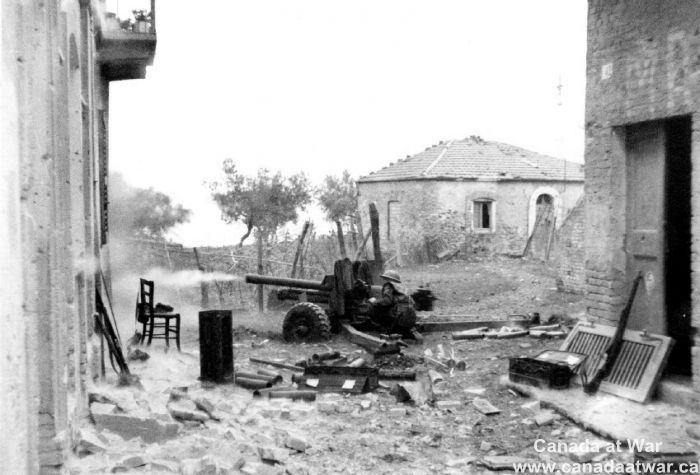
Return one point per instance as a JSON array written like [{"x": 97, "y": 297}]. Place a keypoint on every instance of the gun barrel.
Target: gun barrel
[{"x": 285, "y": 282}]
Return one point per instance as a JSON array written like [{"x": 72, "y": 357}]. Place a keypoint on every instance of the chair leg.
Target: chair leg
[
  {"x": 143, "y": 334},
  {"x": 177, "y": 332},
  {"x": 167, "y": 333},
  {"x": 150, "y": 330}
]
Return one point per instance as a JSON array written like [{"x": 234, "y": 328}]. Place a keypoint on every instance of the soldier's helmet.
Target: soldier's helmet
[{"x": 391, "y": 276}]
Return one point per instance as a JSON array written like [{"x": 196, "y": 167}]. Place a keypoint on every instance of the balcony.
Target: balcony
[{"x": 126, "y": 44}]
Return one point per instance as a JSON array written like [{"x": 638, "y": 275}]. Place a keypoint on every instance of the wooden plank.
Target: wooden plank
[
  {"x": 459, "y": 325},
  {"x": 636, "y": 348},
  {"x": 369, "y": 342}
]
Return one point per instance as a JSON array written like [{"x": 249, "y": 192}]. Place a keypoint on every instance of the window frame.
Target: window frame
[{"x": 478, "y": 203}]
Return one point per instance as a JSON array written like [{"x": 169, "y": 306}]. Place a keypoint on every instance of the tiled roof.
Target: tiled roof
[{"x": 474, "y": 158}]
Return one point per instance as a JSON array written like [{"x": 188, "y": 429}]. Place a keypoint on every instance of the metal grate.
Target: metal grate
[{"x": 638, "y": 367}]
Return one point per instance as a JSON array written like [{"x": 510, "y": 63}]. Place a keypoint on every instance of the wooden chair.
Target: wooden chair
[{"x": 153, "y": 318}]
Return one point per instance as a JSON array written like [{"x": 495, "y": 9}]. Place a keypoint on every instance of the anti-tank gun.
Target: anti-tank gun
[{"x": 343, "y": 296}]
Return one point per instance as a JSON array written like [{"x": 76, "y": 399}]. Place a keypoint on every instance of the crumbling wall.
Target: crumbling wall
[
  {"x": 568, "y": 254},
  {"x": 442, "y": 211},
  {"x": 643, "y": 65},
  {"x": 52, "y": 98}
]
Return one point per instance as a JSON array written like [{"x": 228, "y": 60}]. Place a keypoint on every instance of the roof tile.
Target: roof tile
[{"x": 474, "y": 158}]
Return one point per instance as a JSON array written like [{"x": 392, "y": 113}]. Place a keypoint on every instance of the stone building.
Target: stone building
[
  {"x": 58, "y": 59},
  {"x": 642, "y": 184},
  {"x": 471, "y": 195}
]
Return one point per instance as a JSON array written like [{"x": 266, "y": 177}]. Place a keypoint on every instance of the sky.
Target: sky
[{"x": 321, "y": 86}]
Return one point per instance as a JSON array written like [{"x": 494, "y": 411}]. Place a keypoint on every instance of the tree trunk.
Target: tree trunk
[
  {"x": 300, "y": 246},
  {"x": 374, "y": 224},
  {"x": 261, "y": 299},
  {"x": 341, "y": 240},
  {"x": 302, "y": 258},
  {"x": 361, "y": 232},
  {"x": 353, "y": 233}
]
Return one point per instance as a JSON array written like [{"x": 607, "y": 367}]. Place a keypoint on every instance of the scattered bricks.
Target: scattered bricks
[
  {"x": 90, "y": 442},
  {"x": 203, "y": 404},
  {"x": 190, "y": 466},
  {"x": 137, "y": 355},
  {"x": 365, "y": 404},
  {"x": 532, "y": 406},
  {"x": 103, "y": 408},
  {"x": 544, "y": 418},
  {"x": 273, "y": 455},
  {"x": 271, "y": 412},
  {"x": 445, "y": 405},
  {"x": 573, "y": 432},
  {"x": 498, "y": 463},
  {"x": 132, "y": 461},
  {"x": 434, "y": 376},
  {"x": 556, "y": 334},
  {"x": 485, "y": 407},
  {"x": 209, "y": 466},
  {"x": 475, "y": 391},
  {"x": 525, "y": 345},
  {"x": 485, "y": 446},
  {"x": 528, "y": 422},
  {"x": 264, "y": 469},
  {"x": 296, "y": 443},
  {"x": 583, "y": 456},
  {"x": 251, "y": 468},
  {"x": 185, "y": 410},
  {"x": 460, "y": 462},
  {"x": 693, "y": 431},
  {"x": 416, "y": 429},
  {"x": 286, "y": 414},
  {"x": 326, "y": 407},
  {"x": 556, "y": 433},
  {"x": 149, "y": 429},
  {"x": 397, "y": 411},
  {"x": 179, "y": 393},
  {"x": 163, "y": 466}
]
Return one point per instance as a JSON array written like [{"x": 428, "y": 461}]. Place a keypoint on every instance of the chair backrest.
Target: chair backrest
[{"x": 146, "y": 290}]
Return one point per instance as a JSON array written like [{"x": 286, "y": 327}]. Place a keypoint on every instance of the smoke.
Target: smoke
[{"x": 187, "y": 278}]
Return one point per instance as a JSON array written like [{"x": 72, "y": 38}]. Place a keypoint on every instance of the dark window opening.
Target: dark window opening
[{"x": 482, "y": 215}]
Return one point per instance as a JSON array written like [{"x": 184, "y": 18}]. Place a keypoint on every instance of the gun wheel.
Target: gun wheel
[{"x": 306, "y": 322}]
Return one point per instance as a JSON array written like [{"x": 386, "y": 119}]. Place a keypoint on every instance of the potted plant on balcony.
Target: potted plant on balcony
[{"x": 142, "y": 20}]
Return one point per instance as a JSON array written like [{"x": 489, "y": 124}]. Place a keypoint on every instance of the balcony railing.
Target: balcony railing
[
  {"x": 140, "y": 20},
  {"x": 127, "y": 44}
]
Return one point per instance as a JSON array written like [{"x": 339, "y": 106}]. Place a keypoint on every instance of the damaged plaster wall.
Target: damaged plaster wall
[
  {"x": 52, "y": 97},
  {"x": 643, "y": 65},
  {"x": 436, "y": 209}
]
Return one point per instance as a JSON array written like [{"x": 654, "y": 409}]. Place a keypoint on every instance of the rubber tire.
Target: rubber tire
[{"x": 306, "y": 322}]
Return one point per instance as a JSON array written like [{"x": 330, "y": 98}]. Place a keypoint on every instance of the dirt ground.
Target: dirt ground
[{"x": 367, "y": 433}]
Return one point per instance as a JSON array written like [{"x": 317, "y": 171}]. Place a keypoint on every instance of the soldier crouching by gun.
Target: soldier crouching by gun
[{"x": 395, "y": 310}]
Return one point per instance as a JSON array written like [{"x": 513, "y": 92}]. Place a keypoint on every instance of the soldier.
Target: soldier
[{"x": 395, "y": 309}]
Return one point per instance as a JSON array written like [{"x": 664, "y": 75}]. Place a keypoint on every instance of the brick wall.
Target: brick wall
[
  {"x": 643, "y": 64},
  {"x": 568, "y": 254}
]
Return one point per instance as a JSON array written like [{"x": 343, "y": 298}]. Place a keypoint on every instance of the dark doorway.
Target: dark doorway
[{"x": 678, "y": 241}]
